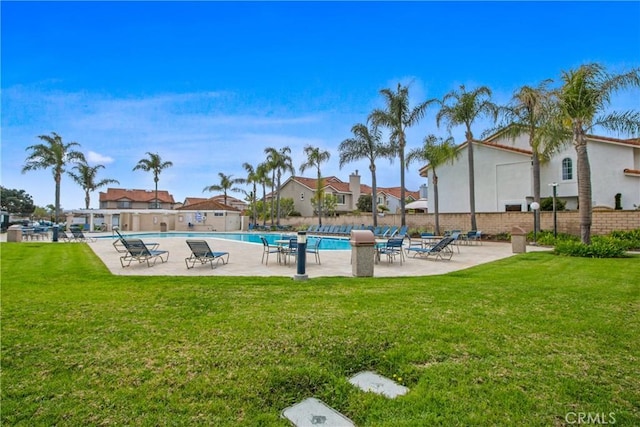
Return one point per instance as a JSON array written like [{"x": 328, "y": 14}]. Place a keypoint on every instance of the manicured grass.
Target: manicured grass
[{"x": 522, "y": 341}]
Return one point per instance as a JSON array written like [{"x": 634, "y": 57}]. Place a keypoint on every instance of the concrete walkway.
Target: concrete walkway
[{"x": 244, "y": 260}]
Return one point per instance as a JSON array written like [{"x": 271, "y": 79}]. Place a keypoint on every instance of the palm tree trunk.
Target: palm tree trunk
[
  {"x": 87, "y": 199},
  {"x": 584, "y": 185},
  {"x": 273, "y": 190},
  {"x": 264, "y": 205},
  {"x": 374, "y": 194},
  {"x": 435, "y": 202},
  {"x": 472, "y": 184},
  {"x": 278, "y": 200},
  {"x": 535, "y": 161},
  {"x": 58, "y": 179},
  {"x": 320, "y": 196},
  {"x": 403, "y": 221},
  {"x": 155, "y": 204}
]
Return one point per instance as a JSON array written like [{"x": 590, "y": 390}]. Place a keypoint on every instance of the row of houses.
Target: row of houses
[{"x": 503, "y": 182}]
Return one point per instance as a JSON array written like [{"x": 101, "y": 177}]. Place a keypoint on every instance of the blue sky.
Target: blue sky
[{"x": 210, "y": 85}]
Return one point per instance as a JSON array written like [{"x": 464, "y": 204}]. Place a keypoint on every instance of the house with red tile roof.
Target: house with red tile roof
[
  {"x": 504, "y": 178},
  {"x": 302, "y": 189},
  {"x": 232, "y": 202},
  {"x": 120, "y": 198}
]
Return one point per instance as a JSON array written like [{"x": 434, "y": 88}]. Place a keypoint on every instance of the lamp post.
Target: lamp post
[
  {"x": 302, "y": 256},
  {"x": 555, "y": 212},
  {"x": 534, "y": 207}
]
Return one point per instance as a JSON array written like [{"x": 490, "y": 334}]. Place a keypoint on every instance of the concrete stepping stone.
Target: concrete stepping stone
[
  {"x": 312, "y": 412},
  {"x": 370, "y": 381}
]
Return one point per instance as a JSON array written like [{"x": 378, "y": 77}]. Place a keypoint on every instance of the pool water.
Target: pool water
[{"x": 327, "y": 243}]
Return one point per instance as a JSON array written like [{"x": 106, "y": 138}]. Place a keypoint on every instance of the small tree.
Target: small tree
[
  {"x": 364, "y": 203},
  {"x": 16, "y": 201}
]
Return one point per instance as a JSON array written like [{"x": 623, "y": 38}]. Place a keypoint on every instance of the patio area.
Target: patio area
[{"x": 244, "y": 260}]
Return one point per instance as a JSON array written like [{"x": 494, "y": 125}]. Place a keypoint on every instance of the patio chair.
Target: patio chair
[
  {"x": 64, "y": 237},
  {"x": 138, "y": 251},
  {"x": 391, "y": 249},
  {"x": 291, "y": 250},
  {"x": 79, "y": 236},
  {"x": 202, "y": 253},
  {"x": 440, "y": 250},
  {"x": 119, "y": 246},
  {"x": 268, "y": 249},
  {"x": 315, "y": 249}
]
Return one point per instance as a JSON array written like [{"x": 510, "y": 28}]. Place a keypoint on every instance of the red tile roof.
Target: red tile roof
[
  {"x": 117, "y": 194},
  {"x": 343, "y": 187}
]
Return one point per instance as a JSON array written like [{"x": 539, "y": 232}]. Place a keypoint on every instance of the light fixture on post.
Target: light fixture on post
[
  {"x": 302, "y": 257},
  {"x": 555, "y": 212},
  {"x": 534, "y": 207}
]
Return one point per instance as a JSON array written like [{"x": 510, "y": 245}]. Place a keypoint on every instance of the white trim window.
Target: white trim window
[
  {"x": 567, "y": 169},
  {"x": 341, "y": 199}
]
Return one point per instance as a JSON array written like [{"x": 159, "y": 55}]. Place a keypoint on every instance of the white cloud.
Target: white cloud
[{"x": 97, "y": 158}]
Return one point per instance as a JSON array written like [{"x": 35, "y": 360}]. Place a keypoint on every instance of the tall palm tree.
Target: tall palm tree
[
  {"x": 253, "y": 180},
  {"x": 436, "y": 152},
  {"x": 153, "y": 164},
  {"x": 315, "y": 157},
  {"x": 397, "y": 116},
  {"x": 85, "y": 177},
  {"x": 464, "y": 108},
  {"x": 365, "y": 144},
  {"x": 582, "y": 101},
  {"x": 281, "y": 162},
  {"x": 227, "y": 183},
  {"x": 54, "y": 154},
  {"x": 528, "y": 113},
  {"x": 262, "y": 176}
]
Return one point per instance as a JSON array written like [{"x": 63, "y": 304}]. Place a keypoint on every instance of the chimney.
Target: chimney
[
  {"x": 354, "y": 188},
  {"x": 423, "y": 191}
]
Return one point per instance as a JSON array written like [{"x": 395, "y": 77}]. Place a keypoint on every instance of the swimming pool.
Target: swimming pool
[{"x": 327, "y": 243}]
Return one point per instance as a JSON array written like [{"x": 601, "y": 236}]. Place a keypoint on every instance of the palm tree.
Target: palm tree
[
  {"x": 262, "y": 176},
  {"x": 463, "y": 108},
  {"x": 436, "y": 152},
  {"x": 252, "y": 179},
  {"x": 365, "y": 144},
  {"x": 227, "y": 183},
  {"x": 86, "y": 178},
  {"x": 153, "y": 164},
  {"x": 528, "y": 113},
  {"x": 397, "y": 116},
  {"x": 582, "y": 101},
  {"x": 54, "y": 154},
  {"x": 280, "y": 161},
  {"x": 315, "y": 157}
]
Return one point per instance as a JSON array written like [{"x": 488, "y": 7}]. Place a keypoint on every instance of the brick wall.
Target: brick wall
[{"x": 603, "y": 222}]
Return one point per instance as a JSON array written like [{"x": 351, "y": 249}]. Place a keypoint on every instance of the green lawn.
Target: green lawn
[{"x": 522, "y": 341}]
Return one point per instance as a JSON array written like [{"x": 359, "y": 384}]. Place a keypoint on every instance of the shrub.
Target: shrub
[
  {"x": 603, "y": 247},
  {"x": 546, "y": 204},
  {"x": 631, "y": 239}
]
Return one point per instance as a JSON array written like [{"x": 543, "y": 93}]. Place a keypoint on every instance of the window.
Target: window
[
  {"x": 340, "y": 199},
  {"x": 513, "y": 208},
  {"x": 124, "y": 204},
  {"x": 567, "y": 169}
]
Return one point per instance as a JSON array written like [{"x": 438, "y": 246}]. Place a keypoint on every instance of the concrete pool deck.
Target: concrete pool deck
[{"x": 244, "y": 260}]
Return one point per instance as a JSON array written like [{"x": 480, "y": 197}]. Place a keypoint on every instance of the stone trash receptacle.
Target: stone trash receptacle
[
  {"x": 14, "y": 233},
  {"x": 363, "y": 252},
  {"x": 518, "y": 240}
]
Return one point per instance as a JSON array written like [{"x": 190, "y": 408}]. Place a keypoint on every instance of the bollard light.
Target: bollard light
[
  {"x": 302, "y": 256},
  {"x": 534, "y": 207}
]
